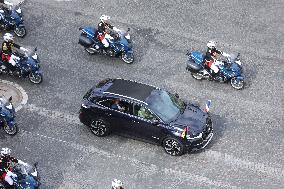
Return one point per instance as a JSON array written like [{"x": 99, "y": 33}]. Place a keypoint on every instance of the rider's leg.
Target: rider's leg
[{"x": 9, "y": 180}]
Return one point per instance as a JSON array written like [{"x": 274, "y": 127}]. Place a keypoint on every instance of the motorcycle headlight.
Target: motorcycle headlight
[
  {"x": 34, "y": 56},
  {"x": 238, "y": 62},
  {"x": 127, "y": 36},
  {"x": 10, "y": 107},
  {"x": 19, "y": 10}
]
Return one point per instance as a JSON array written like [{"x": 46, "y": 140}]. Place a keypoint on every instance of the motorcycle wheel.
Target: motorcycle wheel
[
  {"x": 2, "y": 186},
  {"x": 197, "y": 76},
  {"x": 237, "y": 84},
  {"x": 20, "y": 32},
  {"x": 35, "y": 78},
  {"x": 127, "y": 59},
  {"x": 9, "y": 131}
]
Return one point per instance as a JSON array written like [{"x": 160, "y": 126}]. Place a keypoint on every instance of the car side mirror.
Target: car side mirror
[
  {"x": 10, "y": 99},
  {"x": 156, "y": 122}
]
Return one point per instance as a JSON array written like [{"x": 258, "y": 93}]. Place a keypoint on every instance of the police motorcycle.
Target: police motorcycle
[
  {"x": 230, "y": 69},
  {"x": 25, "y": 176},
  {"x": 27, "y": 65},
  {"x": 119, "y": 43},
  {"x": 7, "y": 116},
  {"x": 12, "y": 20}
]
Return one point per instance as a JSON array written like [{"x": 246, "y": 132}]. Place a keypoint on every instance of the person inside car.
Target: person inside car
[{"x": 118, "y": 106}]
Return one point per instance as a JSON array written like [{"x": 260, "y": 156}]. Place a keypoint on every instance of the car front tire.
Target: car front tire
[
  {"x": 173, "y": 146},
  {"x": 100, "y": 127}
]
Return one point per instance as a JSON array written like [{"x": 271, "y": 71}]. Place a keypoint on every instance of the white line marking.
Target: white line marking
[
  {"x": 147, "y": 167},
  {"x": 23, "y": 93},
  {"x": 228, "y": 159}
]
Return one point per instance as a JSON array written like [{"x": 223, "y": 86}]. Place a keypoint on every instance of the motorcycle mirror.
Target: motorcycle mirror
[
  {"x": 187, "y": 53},
  {"x": 35, "y": 164},
  {"x": 36, "y": 49},
  {"x": 176, "y": 95},
  {"x": 128, "y": 29},
  {"x": 10, "y": 99},
  {"x": 239, "y": 54},
  {"x": 80, "y": 28}
]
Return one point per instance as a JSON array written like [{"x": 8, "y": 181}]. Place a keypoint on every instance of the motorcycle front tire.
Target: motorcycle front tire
[{"x": 20, "y": 31}]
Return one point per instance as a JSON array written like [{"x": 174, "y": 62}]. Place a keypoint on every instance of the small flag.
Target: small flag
[
  {"x": 207, "y": 105},
  {"x": 183, "y": 134}
]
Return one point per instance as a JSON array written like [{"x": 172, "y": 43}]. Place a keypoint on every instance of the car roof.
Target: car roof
[{"x": 128, "y": 88}]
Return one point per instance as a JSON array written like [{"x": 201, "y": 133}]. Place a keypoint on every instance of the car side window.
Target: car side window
[
  {"x": 122, "y": 106},
  {"x": 143, "y": 113},
  {"x": 106, "y": 102}
]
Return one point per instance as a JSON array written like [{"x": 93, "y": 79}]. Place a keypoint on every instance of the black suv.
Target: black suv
[{"x": 145, "y": 112}]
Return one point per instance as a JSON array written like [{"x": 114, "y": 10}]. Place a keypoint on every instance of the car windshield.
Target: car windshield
[{"x": 165, "y": 105}]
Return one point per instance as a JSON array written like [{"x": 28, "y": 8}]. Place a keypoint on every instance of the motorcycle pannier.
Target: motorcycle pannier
[
  {"x": 85, "y": 41},
  {"x": 192, "y": 66}
]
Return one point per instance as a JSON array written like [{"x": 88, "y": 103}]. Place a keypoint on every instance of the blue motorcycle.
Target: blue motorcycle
[
  {"x": 25, "y": 177},
  {"x": 230, "y": 69},
  {"x": 119, "y": 41},
  {"x": 7, "y": 116},
  {"x": 12, "y": 20},
  {"x": 27, "y": 65}
]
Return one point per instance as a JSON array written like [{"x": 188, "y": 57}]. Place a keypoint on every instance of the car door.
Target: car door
[
  {"x": 146, "y": 124},
  {"x": 119, "y": 119}
]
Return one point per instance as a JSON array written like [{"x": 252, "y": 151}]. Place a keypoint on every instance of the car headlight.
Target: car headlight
[{"x": 199, "y": 136}]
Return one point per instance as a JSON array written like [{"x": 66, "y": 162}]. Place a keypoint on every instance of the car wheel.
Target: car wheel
[
  {"x": 173, "y": 146},
  {"x": 100, "y": 127}
]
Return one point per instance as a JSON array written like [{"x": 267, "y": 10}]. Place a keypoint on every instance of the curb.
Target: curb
[{"x": 23, "y": 93}]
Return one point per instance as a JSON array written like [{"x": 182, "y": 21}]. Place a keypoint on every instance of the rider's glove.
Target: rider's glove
[{"x": 22, "y": 163}]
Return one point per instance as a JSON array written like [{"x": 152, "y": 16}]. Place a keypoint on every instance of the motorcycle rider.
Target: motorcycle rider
[
  {"x": 6, "y": 52},
  {"x": 5, "y": 161},
  {"x": 116, "y": 184},
  {"x": 210, "y": 58},
  {"x": 4, "y": 8},
  {"x": 103, "y": 27}
]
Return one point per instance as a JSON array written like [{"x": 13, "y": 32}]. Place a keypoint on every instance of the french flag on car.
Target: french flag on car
[{"x": 207, "y": 106}]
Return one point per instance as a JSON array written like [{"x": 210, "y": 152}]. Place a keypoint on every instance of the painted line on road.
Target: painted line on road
[
  {"x": 146, "y": 167},
  {"x": 22, "y": 91},
  {"x": 227, "y": 159}
]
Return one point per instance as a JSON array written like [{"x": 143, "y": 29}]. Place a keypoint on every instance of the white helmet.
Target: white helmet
[
  {"x": 8, "y": 37},
  {"x": 211, "y": 44},
  {"x": 105, "y": 18},
  {"x": 116, "y": 183},
  {"x": 5, "y": 151}
]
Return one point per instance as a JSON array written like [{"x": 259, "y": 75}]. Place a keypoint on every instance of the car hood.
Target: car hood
[{"x": 193, "y": 118}]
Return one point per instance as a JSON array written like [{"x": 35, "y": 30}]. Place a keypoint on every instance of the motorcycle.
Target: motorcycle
[
  {"x": 26, "y": 177},
  {"x": 27, "y": 65},
  {"x": 230, "y": 69},
  {"x": 119, "y": 43},
  {"x": 12, "y": 20},
  {"x": 7, "y": 116}
]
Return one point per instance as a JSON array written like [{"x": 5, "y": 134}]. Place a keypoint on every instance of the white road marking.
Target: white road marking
[
  {"x": 23, "y": 93},
  {"x": 148, "y": 167},
  {"x": 223, "y": 158}
]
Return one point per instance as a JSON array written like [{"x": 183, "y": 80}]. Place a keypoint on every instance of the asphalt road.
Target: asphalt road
[{"x": 248, "y": 148}]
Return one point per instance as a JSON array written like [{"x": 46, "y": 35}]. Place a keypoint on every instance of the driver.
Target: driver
[
  {"x": 6, "y": 52},
  {"x": 117, "y": 106},
  {"x": 5, "y": 167}
]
